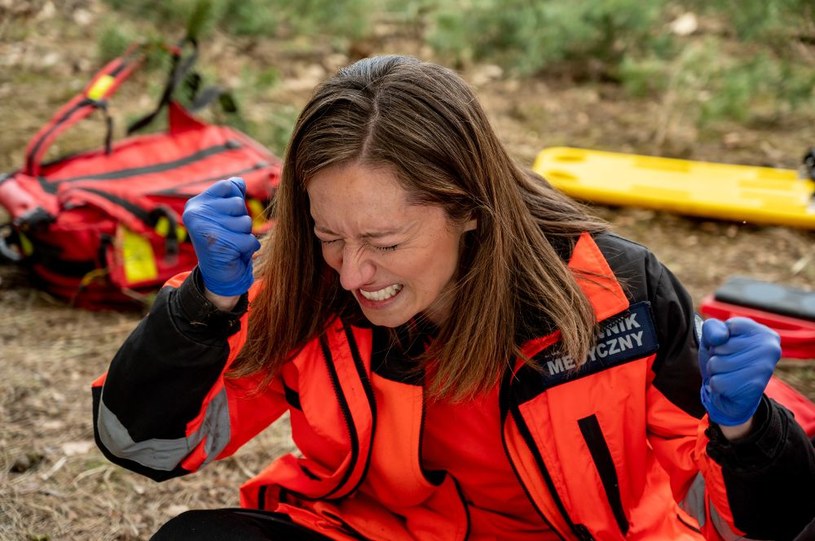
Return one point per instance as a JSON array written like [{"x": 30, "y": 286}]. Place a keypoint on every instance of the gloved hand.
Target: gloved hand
[
  {"x": 221, "y": 232},
  {"x": 737, "y": 358}
]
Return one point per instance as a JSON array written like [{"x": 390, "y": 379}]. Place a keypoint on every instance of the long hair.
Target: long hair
[{"x": 424, "y": 122}]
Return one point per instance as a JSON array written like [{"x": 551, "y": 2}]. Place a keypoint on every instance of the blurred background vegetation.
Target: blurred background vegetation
[{"x": 745, "y": 61}]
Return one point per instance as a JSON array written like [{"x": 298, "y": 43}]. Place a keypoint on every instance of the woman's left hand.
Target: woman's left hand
[{"x": 737, "y": 358}]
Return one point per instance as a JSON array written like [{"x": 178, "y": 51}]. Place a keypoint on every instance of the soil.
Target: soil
[{"x": 55, "y": 484}]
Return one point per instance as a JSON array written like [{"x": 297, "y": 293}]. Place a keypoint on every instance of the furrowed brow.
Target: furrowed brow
[
  {"x": 380, "y": 234},
  {"x": 371, "y": 235}
]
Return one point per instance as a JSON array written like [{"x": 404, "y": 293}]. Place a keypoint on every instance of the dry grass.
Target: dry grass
[{"x": 54, "y": 483}]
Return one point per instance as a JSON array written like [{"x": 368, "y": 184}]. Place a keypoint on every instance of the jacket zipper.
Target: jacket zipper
[
  {"x": 508, "y": 406},
  {"x": 580, "y": 531},
  {"x": 346, "y": 414},
  {"x": 369, "y": 394},
  {"x": 526, "y": 491},
  {"x": 462, "y": 499}
]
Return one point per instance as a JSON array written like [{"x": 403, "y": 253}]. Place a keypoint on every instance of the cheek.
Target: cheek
[
  {"x": 438, "y": 267},
  {"x": 447, "y": 268}
]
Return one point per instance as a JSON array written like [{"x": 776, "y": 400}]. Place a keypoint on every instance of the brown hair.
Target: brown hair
[{"x": 424, "y": 122}]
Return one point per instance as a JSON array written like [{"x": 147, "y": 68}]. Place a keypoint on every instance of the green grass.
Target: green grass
[{"x": 749, "y": 62}]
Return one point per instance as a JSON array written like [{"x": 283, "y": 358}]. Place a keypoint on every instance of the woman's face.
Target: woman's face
[{"x": 396, "y": 258}]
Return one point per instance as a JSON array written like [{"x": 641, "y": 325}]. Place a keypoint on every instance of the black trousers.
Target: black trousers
[{"x": 234, "y": 524}]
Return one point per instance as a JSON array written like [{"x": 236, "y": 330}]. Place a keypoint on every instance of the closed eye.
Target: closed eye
[{"x": 387, "y": 248}]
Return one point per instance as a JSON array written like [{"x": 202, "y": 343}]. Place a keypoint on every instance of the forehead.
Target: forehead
[
  {"x": 361, "y": 200},
  {"x": 360, "y": 187}
]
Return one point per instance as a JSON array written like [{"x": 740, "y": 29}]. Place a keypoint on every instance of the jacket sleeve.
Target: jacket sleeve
[
  {"x": 164, "y": 407},
  {"x": 759, "y": 487}
]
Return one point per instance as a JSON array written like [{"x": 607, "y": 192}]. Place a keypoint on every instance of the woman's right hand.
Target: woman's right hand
[{"x": 220, "y": 228}]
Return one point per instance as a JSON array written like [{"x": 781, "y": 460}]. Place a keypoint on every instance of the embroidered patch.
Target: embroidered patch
[{"x": 627, "y": 336}]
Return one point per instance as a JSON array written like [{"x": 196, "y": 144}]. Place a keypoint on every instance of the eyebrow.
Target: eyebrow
[{"x": 366, "y": 236}]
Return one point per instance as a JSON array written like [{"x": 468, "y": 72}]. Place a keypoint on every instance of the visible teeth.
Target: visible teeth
[{"x": 382, "y": 294}]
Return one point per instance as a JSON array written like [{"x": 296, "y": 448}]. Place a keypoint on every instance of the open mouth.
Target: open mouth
[{"x": 381, "y": 294}]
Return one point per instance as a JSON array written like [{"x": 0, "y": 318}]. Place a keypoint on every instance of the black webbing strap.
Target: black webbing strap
[{"x": 179, "y": 69}]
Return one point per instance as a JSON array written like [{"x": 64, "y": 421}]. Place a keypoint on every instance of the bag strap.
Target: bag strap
[
  {"x": 181, "y": 72},
  {"x": 96, "y": 93},
  {"x": 180, "y": 68},
  {"x": 94, "y": 96}
]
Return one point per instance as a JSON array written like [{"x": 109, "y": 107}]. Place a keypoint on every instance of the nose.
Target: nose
[{"x": 356, "y": 269}]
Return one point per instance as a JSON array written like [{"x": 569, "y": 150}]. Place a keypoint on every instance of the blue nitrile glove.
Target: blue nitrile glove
[
  {"x": 221, "y": 232},
  {"x": 737, "y": 358}
]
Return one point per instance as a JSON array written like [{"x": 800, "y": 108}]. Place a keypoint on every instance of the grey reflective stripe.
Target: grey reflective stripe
[
  {"x": 723, "y": 528},
  {"x": 694, "y": 505},
  {"x": 216, "y": 426},
  {"x": 164, "y": 454},
  {"x": 694, "y": 501}
]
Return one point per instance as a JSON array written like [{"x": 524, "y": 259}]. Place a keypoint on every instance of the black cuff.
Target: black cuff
[
  {"x": 756, "y": 451},
  {"x": 200, "y": 319}
]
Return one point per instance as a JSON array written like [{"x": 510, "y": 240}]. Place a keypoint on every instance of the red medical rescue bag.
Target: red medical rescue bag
[{"x": 102, "y": 228}]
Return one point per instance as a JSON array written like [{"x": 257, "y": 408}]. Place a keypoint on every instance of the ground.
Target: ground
[{"x": 55, "y": 484}]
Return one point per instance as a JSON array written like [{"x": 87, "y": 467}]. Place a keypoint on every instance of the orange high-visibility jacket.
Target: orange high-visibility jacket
[{"x": 619, "y": 448}]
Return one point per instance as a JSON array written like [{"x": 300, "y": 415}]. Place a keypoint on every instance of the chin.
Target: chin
[{"x": 381, "y": 320}]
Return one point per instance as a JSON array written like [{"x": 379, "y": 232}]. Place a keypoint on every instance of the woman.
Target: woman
[{"x": 463, "y": 351}]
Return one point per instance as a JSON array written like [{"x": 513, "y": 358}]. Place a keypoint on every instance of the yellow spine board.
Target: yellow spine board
[{"x": 733, "y": 192}]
